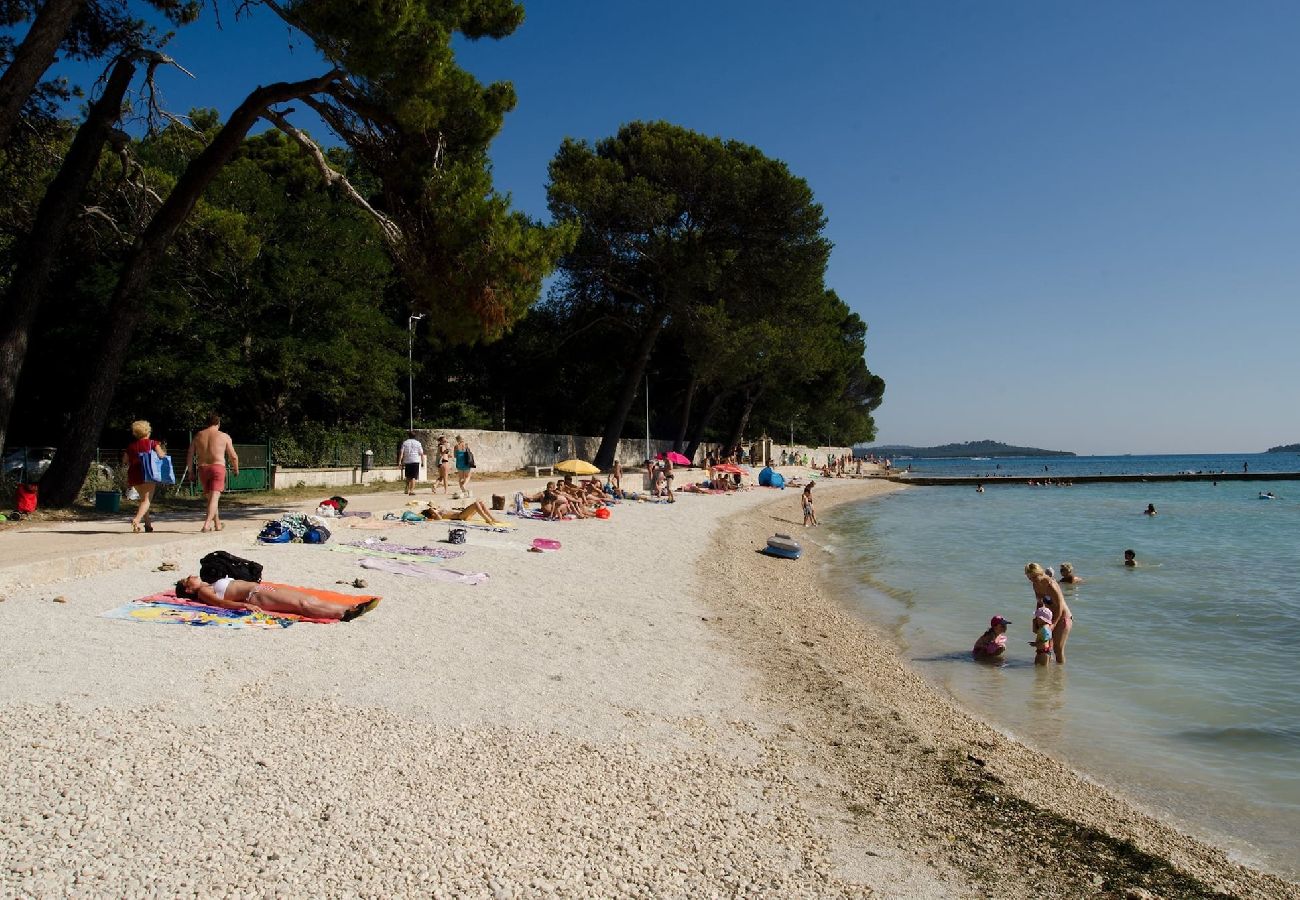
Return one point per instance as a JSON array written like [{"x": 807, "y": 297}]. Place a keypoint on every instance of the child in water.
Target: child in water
[
  {"x": 1042, "y": 636},
  {"x": 992, "y": 643},
  {"x": 1130, "y": 558}
]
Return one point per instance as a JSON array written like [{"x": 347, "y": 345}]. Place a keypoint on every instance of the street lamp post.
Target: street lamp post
[{"x": 410, "y": 368}]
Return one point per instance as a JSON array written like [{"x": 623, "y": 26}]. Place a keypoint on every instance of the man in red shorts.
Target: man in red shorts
[{"x": 210, "y": 450}]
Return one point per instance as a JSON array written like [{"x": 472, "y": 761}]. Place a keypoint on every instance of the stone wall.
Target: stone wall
[{"x": 508, "y": 451}]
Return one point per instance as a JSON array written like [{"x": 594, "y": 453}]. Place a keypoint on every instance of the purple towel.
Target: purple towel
[{"x": 419, "y": 570}]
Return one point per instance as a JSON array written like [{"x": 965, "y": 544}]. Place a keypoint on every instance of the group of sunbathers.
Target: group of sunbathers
[{"x": 559, "y": 499}]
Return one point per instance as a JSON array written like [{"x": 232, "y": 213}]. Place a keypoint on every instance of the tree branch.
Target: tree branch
[{"x": 392, "y": 234}]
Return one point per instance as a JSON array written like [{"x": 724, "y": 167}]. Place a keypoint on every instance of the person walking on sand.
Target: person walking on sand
[
  {"x": 809, "y": 514},
  {"x": 444, "y": 465},
  {"x": 1047, "y": 593},
  {"x": 210, "y": 450},
  {"x": 141, "y": 431},
  {"x": 411, "y": 457},
  {"x": 464, "y": 464}
]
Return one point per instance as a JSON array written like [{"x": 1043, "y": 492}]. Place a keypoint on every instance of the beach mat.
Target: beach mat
[
  {"x": 381, "y": 550},
  {"x": 165, "y": 608},
  {"x": 421, "y": 570}
]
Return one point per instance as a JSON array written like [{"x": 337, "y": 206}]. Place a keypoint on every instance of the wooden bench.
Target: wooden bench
[{"x": 537, "y": 471}]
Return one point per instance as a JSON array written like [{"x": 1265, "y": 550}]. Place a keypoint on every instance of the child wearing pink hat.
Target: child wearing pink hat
[
  {"x": 1042, "y": 636},
  {"x": 992, "y": 643}
]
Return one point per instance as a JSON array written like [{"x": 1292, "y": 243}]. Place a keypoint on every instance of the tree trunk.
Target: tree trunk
[
  {"x": 62, "y": 481},
  {"x": 685, "y": 423},
  {"x": 751, "y": 397},
  {"x": 697, "y": 433},
  {"x": 45, "y": 242},
  {"x": 33, "y": 56},
  {"x": 631, "y": 383}
]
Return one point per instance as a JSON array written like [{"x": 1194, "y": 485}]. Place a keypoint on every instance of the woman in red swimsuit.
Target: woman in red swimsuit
[{"x": 140, "y": 430}]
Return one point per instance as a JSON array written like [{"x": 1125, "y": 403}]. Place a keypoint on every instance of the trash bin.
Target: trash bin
[{"x": 108, "y": 501}]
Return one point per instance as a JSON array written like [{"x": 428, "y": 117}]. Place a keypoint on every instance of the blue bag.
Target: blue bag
[
  {"x": 275, "y": 533},
  {"x": 157, "y": 469}
]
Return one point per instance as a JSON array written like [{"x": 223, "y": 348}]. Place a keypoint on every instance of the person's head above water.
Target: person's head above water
[
  {"x": 1130, "y": 558},
  {"x": 999, "y": 621}
]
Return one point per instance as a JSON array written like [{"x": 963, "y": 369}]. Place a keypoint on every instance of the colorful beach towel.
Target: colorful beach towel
[
  {"x": 167, "y": 609},
  {"x": 422, "y": 570}
]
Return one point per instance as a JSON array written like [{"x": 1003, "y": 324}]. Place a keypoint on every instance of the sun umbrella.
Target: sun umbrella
[
  {"x": 576, "y": 467},
  {"x": 728, "y": 469},
  {"x": 675, "y": 458}
]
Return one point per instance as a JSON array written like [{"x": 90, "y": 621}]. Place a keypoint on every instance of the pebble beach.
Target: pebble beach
[{"x": 654, "y": 710}]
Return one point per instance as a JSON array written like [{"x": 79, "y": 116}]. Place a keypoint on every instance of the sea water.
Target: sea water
[{"x": 1182, "y": 687}]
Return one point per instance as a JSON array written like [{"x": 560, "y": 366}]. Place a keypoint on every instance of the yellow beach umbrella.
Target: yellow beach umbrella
[{"x": 576, "y": 467}]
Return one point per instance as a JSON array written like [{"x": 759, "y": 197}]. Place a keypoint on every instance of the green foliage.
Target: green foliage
[
  {"x": 312, "y": 445},
  {"x": 452, "y": 414}
]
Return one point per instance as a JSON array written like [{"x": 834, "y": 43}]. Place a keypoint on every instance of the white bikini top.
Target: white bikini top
[{"x": 220, "y": 586}]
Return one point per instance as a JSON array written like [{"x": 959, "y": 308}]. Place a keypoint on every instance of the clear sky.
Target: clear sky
[{"x": 1069, "y": 225}]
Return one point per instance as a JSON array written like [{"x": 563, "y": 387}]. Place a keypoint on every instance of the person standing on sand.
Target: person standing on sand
[
  {"x": 210, "y": 450},
  {"x": 410, "y": 456},
  {"x": 1048, "y": 594},
  {"x": 809, "y": 514}
]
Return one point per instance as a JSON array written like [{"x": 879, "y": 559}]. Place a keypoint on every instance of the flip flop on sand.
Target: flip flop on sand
[{"x": 360, "y": 610}]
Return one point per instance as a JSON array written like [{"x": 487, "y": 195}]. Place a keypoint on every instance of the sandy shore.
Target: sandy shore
[{"x": 654, "y": 710}]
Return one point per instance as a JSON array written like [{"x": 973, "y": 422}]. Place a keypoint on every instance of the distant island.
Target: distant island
[
  {"x": 1285, "y": 448},
  {"x": 991, "y": 449}
]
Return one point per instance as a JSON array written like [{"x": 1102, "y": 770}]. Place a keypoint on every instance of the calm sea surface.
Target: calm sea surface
[{"x": 1183, "y": 680}]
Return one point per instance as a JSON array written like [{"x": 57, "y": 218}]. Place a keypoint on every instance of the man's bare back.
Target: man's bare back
[{"x": 211, "y": 447}]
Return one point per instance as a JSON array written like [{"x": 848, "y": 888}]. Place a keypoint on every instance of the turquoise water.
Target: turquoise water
[{"x": 1182, "y": 675}]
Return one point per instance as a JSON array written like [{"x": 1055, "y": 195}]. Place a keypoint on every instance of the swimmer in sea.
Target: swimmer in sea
[
  {"x": 1130, "y": 559},
  {"x": 1150, "y": 510},
  {"x": 1068, "y": 576}
]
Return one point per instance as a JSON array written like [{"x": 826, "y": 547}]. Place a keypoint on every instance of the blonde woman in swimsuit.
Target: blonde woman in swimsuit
[{"x": 1048, "y": 593}]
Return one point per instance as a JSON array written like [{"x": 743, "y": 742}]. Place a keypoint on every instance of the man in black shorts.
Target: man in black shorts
[{"x": 410, "y": 456}]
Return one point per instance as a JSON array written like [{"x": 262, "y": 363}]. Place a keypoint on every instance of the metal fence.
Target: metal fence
[{"x": 28, "y": 464}]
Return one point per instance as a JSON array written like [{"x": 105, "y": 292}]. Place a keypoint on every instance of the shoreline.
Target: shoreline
[
  {"x": 635, "y": 715},
  {"x": 922, "y": 779}
]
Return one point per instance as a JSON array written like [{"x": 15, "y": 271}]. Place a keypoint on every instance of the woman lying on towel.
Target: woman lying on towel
[
  {"x": 475, "y": 508},
  {"x": 230, "y": 593}
]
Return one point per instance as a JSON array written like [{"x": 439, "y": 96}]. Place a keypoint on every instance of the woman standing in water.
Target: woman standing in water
[{"x": 1048, "y": 593}]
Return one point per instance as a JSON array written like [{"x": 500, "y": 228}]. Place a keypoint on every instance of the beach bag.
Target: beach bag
[
  {"x": 316, "y": 534},
  {"x": 469, "y": 458},
  {"x": 157, "y": 469},
  {"x": 25, "y": 498},
  {"x": 340, "y": 502},
  {"x": 408, "y": 516},
  {"x": 275, "y": 533},
  {"x": 602, "y": 513},
  {"x": 456, "y": 535},
  {"x": 498, "y": 501},
  {"x": 220, "y": 564}
]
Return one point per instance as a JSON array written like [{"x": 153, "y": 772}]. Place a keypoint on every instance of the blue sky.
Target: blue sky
[{"x": 1068, "y": 225}]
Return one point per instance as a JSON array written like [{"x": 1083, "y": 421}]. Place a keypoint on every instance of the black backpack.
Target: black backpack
[{"x": 220, "y": 564}]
